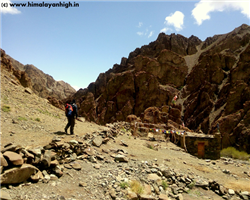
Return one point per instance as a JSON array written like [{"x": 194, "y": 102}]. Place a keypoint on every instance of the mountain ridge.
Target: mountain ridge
[
  {"x": 43, "y": 84},
  {"x": 204, "y": 75}
]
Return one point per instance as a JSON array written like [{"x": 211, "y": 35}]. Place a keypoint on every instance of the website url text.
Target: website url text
[{"x": 39, "y": 5}]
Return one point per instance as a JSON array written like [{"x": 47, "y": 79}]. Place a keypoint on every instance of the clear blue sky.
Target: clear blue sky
[{"x": 76, "y": 44}]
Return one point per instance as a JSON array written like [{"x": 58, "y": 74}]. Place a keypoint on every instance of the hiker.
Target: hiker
[
  {"x": 174, "y": 99},
  {"x": 71, "y": 112}
]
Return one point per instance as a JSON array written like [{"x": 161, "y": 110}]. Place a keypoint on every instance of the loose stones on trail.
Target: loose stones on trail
[{"x": 13, "y": 157}]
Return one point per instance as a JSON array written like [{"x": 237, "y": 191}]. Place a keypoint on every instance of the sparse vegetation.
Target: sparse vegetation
[
  {"x": 21, "y": 119},
  {"x": 124, "y": 185},
  {"x": 180, "y": 88},
  {"x": 37, "y": 119},
  {"x": 164, "y": 184},
  {"x": 150, "y": 146},
  {"x": 191, "y": 185},
  {"x": 5, "y": 108},
  {"x": 48, "y": 113},
  {"x": 44, "y": 112},
  {"x": 123, "y": 129},
  {"x": 5, "y": 98},
  {"x": 136, "y": 187},
  {"x": 231, "y": 152}
]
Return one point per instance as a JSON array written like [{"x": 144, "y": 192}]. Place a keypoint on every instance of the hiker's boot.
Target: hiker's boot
[{"x": 65, "y": 131}]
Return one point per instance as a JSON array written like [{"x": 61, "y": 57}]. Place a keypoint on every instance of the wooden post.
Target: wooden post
[
  {"x": 184, "y": 141},
  {"x": 135, "y": 129}
]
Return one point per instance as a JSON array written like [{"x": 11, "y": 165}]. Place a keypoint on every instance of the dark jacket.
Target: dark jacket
[{"x": 75, "y": 111}]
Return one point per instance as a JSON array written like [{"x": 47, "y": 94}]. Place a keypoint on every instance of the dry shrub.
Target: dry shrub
[
  {"x": 231, "y": 152},
  {"x": 136, "y": 187}
]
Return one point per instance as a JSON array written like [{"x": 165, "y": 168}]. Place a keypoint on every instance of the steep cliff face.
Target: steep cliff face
[
  {"x": 217, "y": 89},
  {"x": 43, "y": 84},
  {"x": 150, "y": 77},
  {"x": 210, "y": 78},
  {"x": 17, "y": 75}
]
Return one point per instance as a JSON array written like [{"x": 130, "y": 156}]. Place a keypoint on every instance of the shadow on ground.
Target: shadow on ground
[{"x": 60, "y": 133}]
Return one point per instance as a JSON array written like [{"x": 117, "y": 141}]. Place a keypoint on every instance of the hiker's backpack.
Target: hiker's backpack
[{"x": 68, "y": 110}]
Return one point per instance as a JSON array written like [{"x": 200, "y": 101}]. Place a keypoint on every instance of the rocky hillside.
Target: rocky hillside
[
  {"x": 40, "y": 161},
  {"x": 42, "y": 84},
  {"x": 210, "y": 78}
]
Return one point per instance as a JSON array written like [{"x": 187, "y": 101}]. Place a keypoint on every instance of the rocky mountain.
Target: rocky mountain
[
  {"x": 42, "y": 84},
  {"x": 38, "y": 160},
  {"x": 16, "y": 75},
  {"x": 210, "y": 79}
]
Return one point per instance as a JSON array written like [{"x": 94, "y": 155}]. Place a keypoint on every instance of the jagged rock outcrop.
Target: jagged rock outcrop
[
  {"x": 42, "y": 84},
  {"x": 217, "y": 89},
  {"x": 210, "y": 78},
  {"x": 20, "y": 76}
]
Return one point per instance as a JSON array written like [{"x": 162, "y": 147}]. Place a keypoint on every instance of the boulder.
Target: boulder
[
  {"x": 18, "y": 175},
  {"x": 13, "y": 158}
]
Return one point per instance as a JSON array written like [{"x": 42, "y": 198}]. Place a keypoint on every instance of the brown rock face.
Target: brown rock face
[
  {"x": 210, "y": 78},
  {"x": 42, "y": 84},
  {"x": 45, "y": 85},
  {"x": 19, "y": 76}
]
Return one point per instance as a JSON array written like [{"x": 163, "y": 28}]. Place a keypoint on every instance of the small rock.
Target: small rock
[
  {"x": 179, "y": 197},
  {"x": 68, "y": 166},
  {"x": 132, "y": 196},
  {"x": 56, "y": 139},
  {"x": 35, "y": 178},
  {"x": 112, "y": 193},
  {"x": 97, "y": 141},
  {"x": 163, "y": 197},
  {"x": 4, "y": 195},
  {"x": 153, "y": 177},
  {"x": 147, "y": 197},
  {"x": 147, "y": 189},
  {"x": 121, "y": 158},
  {"x": 124, "y": 143},
  {"x": 1, "y": 169},
  {"x": 92, "y": 159},
  {"x": 231, "y": 192},
  {"x": 76, "y": 165},
  {"x": 73, "y": 142},
  {"x": 83, "y": 184},
  {"x": 97, "y": 166},
  {"x": 226, "y": 171},
  {"x": 28, "y": 90},
  {"x": 53, "y": 177}
]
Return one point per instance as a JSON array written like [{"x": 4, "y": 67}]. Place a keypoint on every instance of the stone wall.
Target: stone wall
[{"x": 212, "y": 145}]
